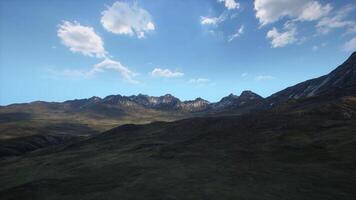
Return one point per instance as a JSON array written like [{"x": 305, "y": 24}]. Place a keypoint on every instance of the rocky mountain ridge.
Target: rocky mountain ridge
[{"x": 166, "y": 102}]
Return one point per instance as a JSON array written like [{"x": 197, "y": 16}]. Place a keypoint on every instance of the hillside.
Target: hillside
[
  {"x": 295, "y": 152},
  {"x": 101, "y": 114},
  {"x": 29, "y": 126}
]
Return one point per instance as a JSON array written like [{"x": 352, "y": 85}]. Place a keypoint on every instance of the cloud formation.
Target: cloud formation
[
  {"x": 263, "y": 78},
  {"x": 126, "y": 18},
  {"x": 84, "y": 40},
  {"x": 296, "y": 11},
  {"x": 167, "y": 73},
  {"x": 230, "y": 4},
  {"x": 209, "y": 20},
  {"x": 238, "y": 33},
  {"x": 215, "y": 20},
  {"x": 81, "y": 39},
  {"x": 283, "y": 38},
  {"x": 326, "y": 24},
  {"x": 108, "y": 64},
  {"x": 269, "y": 11},
  {"x": 199, "y": 80},
  {"x": 226, "y": 14}
]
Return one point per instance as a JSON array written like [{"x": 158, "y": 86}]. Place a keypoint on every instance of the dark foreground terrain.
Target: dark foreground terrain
[
  {"x": 295, "y": 153},
  {"x": 299, "y": 143}
]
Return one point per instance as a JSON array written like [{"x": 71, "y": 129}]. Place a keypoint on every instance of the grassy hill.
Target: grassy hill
[{"x": 301, "y": 150}]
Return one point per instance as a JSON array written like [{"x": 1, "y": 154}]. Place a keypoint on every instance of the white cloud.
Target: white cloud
[
  {"x": 326, "y": 24},
  {"x": 239, "y": 32},
  {"x": 216, "y": 20},
  {"x": 230, "y": 4},
  {"x": 84, "y": 40},
  {"x": 209, "y": 20},
  {"x": 281, "y": 39},
  {"x": 167, "y": 73},
  {"x": 268, "y": 11},
  {"x": 81, "y": 39},
  {"x": 109, "y": 64},
  {"x": 106, "y": 64},
  {"x": 127, "y": 19},
  {"x": 313, "y": 10},
  {"x": 350, "y": 45},
  {"x": 199, "y": 80},
  {"x": 264, "y": 78}
]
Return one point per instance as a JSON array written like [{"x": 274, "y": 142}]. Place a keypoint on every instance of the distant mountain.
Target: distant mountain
[
  {"x": 339, "y": 82},
  {"x": 196, "y": 105},
  {"x": 161, "y": 103},
  {"x": 264, "y": 155},
  {"x": 234, "y": 104},
  {"x": 100, "y": 114}
]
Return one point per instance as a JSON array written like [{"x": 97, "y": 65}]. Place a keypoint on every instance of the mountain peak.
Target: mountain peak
[
  {"x": 248, "y": 94},
  {"x": 199, "y": 99},
  {"x": 168, "y": 95},
  {"x": 94, "y": 98},
  {"x": 142, "y": 95},
  {"x": 231, "y": 95}
]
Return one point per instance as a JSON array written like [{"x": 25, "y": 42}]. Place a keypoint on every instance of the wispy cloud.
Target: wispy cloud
[
  {"x": 106, "y": 64},
  {"x": 238, "y": 33},
  {"x": 204, "y": 20},
  {"x": 166, "y": 73},
  {"x": 109, "y": 64},
  {"x": 209, "y": 20},
  {"x": 127, "y": 18},
  {"x": 226, "y": 14},
  {"x": 199, "y": 80},
  {"x": 302, "y": 10},
  {"x": 264, "y": 78},
  {"x": 328, "y": 23}
]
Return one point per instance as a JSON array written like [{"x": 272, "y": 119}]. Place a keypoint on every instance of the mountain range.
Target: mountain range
[{"x": 298, "y": 143}]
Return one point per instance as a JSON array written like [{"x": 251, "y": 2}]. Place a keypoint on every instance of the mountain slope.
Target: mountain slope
[{"x": 339, "y": 82}]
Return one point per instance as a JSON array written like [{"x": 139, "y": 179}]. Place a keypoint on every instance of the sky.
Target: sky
[{"x": 58, "y": 50}]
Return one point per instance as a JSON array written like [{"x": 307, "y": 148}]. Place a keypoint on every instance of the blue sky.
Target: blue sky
[{"x": 59, "y": 50}]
